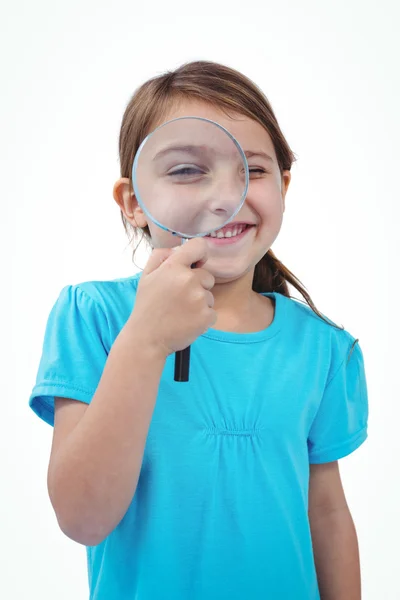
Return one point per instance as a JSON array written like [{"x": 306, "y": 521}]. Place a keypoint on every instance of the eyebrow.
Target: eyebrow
[
  {"x": 188, "y": 148},
  {"x": 197, "y": 150},
  {"x": 250, "y": 154}
]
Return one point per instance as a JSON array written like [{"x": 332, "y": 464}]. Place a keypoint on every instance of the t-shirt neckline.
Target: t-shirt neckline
[{"x": 254, "y": 336}]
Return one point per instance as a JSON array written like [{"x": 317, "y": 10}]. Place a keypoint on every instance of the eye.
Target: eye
[
  {"x": 186, "y": 171},
  {"x": 257, "y": 171}
]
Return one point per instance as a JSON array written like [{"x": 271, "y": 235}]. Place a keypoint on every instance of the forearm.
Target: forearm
[
  {"x": 336, "y": 554},
  {"x": 94, "y": 474}
]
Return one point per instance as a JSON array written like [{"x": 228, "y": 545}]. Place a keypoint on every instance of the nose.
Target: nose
[
  {"x": 225, "y": 196},
  {"x": 220, "y": 197}
]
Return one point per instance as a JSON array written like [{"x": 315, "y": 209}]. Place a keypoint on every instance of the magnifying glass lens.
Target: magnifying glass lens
[{"x": 190, "y": 176}]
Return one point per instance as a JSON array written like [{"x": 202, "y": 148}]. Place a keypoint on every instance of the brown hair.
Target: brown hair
[{"x": 228, "y": 90}]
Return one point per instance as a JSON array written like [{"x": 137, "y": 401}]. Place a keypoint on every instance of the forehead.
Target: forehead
[{"x": 251, "y": 135}]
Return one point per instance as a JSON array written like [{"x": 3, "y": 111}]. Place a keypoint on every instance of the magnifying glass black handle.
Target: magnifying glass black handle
[
  {"x": 182, "y": 360},
  {"x": 182, "y": 363}
]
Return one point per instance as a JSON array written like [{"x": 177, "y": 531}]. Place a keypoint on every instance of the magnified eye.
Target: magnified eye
[{"x": 186, "y": 171}]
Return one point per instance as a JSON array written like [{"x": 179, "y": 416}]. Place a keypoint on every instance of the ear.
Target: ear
[
  {"x": 286, "y": 178},
  {"x": 126, "y": 200}
]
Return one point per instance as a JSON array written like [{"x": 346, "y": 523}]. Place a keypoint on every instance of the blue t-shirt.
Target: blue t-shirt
[{"x": 220, "y": 510}]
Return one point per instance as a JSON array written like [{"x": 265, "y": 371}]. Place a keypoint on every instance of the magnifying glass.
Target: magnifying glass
[{"x": 190, "y": 177}]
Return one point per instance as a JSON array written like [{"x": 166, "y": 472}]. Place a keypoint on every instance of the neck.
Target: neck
[
  {"x": 238, "y": 306},
  {"x": 234, "y": 296}
]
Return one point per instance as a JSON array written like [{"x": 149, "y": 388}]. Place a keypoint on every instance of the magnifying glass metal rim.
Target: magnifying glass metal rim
[{"x": 136, "y": 189}]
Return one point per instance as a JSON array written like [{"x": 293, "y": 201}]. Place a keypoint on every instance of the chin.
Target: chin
[{"x": 227, "y": 274}]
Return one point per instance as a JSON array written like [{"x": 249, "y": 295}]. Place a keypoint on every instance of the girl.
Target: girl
[{"x": 226, "y": 487}]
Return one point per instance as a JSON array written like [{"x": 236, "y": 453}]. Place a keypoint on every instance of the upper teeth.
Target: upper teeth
[{"x": 228, "y": 233}]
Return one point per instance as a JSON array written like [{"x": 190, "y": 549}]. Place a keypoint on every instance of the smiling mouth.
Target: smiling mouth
[
  {"x": 230, "y": 231},
  {"x": 230, "y": 235}
]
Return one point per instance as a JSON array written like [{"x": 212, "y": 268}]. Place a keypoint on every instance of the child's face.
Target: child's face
[{"x": 264, "y": 205}]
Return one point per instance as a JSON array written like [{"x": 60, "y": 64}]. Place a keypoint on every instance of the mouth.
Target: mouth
[{"x": 230, "y": 233}]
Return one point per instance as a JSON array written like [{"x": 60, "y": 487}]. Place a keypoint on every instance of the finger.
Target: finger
[
  {"x": 210, "y": 299},
  {"x": 207, "y": 281},
  {"x": 193, "y": 251},
  {"x": 157, "y": 257},
  {"x": 213, "y": 317}
]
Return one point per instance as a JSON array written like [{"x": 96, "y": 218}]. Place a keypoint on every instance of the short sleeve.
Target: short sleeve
[
  {"x": 74, "y": 352},
  {"x": 340, "y": 425}
]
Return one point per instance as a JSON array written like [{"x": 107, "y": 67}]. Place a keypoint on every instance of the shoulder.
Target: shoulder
[
  {"x": 102, "y": 292},
  {"x": 103, "y": 306},
  {"x": 331, "y": 338},
  {"x": 107, "y": 296}
]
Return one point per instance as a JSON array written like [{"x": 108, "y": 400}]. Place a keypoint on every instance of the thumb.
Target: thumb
[{"x": 157, "y": 257}]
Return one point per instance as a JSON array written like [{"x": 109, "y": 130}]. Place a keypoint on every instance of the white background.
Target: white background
[{"x": 68, "y": 69}]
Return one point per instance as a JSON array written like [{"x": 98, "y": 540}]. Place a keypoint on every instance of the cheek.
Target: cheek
[
  {"x": 163, "y": 239},
  {"x": 265, "y": 196}
]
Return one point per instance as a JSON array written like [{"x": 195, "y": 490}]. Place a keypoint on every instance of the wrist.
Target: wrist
[{"x": 148, "y": 342}]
